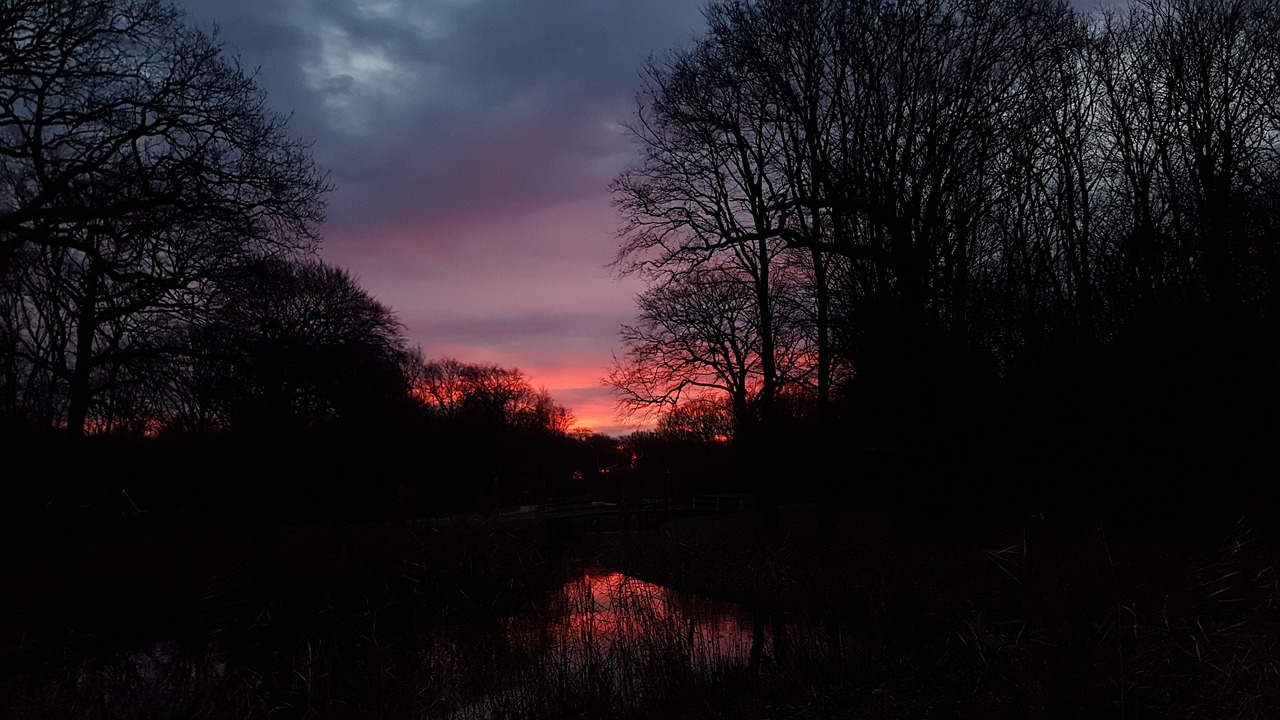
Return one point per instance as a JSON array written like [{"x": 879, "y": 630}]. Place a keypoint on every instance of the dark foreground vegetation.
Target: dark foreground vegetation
[{"x": 1054, "y": 616}]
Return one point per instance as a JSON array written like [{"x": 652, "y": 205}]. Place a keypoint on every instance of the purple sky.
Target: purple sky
[{"x": 471, "y": 143}]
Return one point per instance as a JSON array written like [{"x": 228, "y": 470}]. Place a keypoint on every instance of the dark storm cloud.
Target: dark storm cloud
[{"x": 453, "y": 107}]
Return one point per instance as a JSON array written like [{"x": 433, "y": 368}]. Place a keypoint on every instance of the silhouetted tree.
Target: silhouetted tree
[
  {"x": 494, "y": 439},
  {"x": 1013, "y": 220},
  {"x": 486, "y": 395},
  {"x": 670, "y": 462},
  {"x": 1192, "y": 117},
  {"x": 699, "y": 332},
  {"x": 702, "y": 418},
  {"x": 866, "y": 130},
  {"x": 138, "y": 163},
  {"x": 307, "y": 346},
  {"x": 705, "y": 190}
]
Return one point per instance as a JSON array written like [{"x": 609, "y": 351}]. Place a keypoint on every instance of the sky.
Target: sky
[{"x": 471, "y": 144}]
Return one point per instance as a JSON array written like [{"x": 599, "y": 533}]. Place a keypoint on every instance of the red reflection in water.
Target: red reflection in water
[{"x": 607, "y": 612}]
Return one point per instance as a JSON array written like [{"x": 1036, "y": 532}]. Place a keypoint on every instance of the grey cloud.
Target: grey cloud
[
  {"x": 495, "y": 78},
  {"x": 338, "y": 85}
]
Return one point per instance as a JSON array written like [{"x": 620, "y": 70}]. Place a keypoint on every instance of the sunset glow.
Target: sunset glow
[{"x": 471, "y": 146}]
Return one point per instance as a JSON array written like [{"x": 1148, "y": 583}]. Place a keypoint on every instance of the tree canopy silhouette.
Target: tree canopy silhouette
[
  {"x": 486, "y": 396},
  {"x": 305, "y": 345},
  {"x": 998, "y": 210},
  {"x": 139, "y": 164}
]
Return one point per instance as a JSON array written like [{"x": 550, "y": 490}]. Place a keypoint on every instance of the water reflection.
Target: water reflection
[
  {"x": 602, "y": 640},
  {"x": 597, "y": 643},
  {"x": 600, "y": 611}
]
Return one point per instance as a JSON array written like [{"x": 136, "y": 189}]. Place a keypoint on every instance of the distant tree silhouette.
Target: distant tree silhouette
[
  {"x": 702, "y": 418},
  {"x": 494, "y": 438},
  {"x": 671, "y": 462},
  {"x": 486, "y": 395}
]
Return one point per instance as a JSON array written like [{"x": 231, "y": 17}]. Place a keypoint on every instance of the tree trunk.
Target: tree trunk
[
  {"x": 79, "y": 387},
  {"x": 822, "y": 296}
]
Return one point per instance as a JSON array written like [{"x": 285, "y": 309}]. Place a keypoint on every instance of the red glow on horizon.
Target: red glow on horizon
[{"x": 577, "y": 387}]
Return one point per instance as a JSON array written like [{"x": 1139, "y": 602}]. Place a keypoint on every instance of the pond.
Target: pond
[
  {"x": 602, "y": 639},
  {"x": 603, "y": 613},
  {"x": 594, "y": 640}
]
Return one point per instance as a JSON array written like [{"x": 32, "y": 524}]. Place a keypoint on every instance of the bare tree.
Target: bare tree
[
  {"x": 706, "y": 191},
  {"x": 1214, "y": 68},
  {"x": 704, "y": 418},
  {"x": 141, "y": 158},
  {"x": 975, "y": 194},
  {"x": 487, "y": 395},
  {"x": 867, "y": 130},
  {"x": 699, "y": 333}
]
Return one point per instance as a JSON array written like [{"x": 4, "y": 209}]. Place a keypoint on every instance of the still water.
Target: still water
[
  {"x": 596, "y": 641},
  {"x": 601, "y": 612},
  {"x": 601, "y": 639}
]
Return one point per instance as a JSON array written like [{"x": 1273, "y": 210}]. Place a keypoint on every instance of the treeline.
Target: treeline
[
  {"x": 929, "y": 239},
  {"x": 168, "y": 339}
]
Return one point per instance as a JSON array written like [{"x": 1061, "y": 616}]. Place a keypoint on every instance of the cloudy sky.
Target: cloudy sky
[{"x": 471, "y": 143}]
